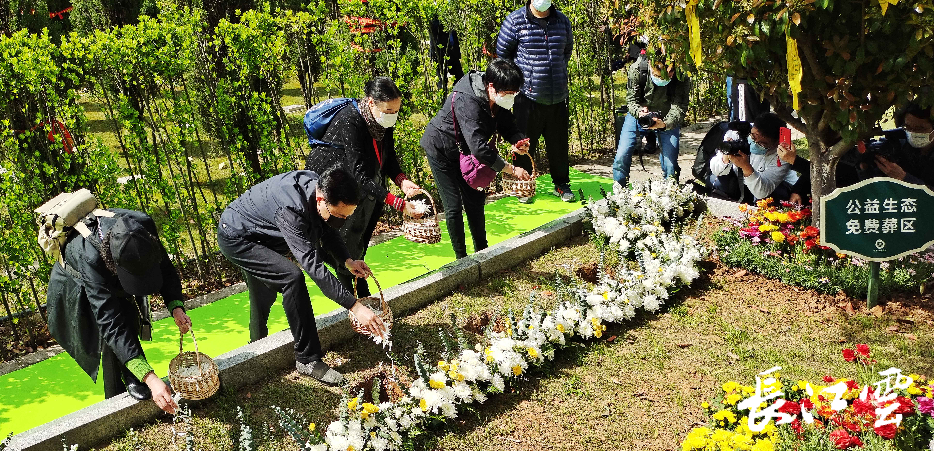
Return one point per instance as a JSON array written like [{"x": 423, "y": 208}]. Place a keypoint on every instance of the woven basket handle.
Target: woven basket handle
[
  {"x": 534, "y": 171},
  {"x": 382, "y": 304},
  {"x": 181, "y": 342},
  {"x": 433, "y": 207}
]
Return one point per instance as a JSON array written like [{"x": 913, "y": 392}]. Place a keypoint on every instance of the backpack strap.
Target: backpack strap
[
  {"x": 643, "y": 63},
  {"x": 95, "y": 240}
]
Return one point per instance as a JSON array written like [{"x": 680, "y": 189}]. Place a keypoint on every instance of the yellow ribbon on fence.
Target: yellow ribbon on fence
[
  {"x": 694, "y": 31},
  {"x": 794, "y": 68},
  {"x": 884, "y": 4}
]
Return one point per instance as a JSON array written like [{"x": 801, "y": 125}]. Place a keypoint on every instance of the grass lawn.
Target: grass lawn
[{"x": 640, "y": 387}]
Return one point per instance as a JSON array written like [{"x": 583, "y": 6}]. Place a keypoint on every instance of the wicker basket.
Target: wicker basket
[
  {"x": 424, "y": 230},
  {"x": 520, "y": 188},
  {"x": 197, "y": 385},
  {"x": 378, "y": 305}
]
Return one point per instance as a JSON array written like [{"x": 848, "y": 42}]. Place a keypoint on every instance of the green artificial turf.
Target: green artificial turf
[{"x": 57, "y": 386}]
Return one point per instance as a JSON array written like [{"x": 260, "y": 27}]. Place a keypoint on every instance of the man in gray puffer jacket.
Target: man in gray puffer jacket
[{"x": 538, "y": 38}]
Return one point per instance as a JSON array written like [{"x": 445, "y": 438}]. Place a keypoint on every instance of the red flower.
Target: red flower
[
  {"x": 807, "y": 404},
  {"x": 861, "y": 407},
  {"x": 888, "y": 431},
  {"x": 905, "y": 406},
  {"x": 849, "y": 355},
  {"x": 811, "y": 232},
  {"x": 828, "y": 379},
  {"x": 790, "y": 407},
  {"x": 808, "y": 244},
  {"x": 863, "y": 349},
  {"x": 843, "y": 440},
  {"x": 852, "y": 385}
]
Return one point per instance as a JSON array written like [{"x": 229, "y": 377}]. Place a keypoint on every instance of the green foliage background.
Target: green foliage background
[{"x": 190, "y": 99}]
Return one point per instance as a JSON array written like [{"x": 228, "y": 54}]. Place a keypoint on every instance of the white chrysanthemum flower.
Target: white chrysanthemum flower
[{"x": 498, "y": 382}]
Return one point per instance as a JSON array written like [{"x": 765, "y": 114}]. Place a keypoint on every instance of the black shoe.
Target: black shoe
[{"x": 139, "y": 390}]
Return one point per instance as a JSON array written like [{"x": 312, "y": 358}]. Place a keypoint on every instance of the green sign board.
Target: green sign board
[{"x": 878, "y": 219}]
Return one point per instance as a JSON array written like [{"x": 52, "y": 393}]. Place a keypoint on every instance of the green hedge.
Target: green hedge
[{"x": 196, "y": 110}]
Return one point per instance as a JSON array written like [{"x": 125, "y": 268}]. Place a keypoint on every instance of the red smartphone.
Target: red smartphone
[{"x": 784, "y": 135}]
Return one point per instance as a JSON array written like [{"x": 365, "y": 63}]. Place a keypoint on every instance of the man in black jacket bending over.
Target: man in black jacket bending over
[
  {"x": 297, "y": 212},
  {"x": 97, "y": 307}
]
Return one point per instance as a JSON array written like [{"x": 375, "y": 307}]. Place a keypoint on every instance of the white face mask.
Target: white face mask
[
  {"x": 386, "y": 120},
  {"x": 919, "y": 140},
  {"x": 541, "y": 5},
  {"x": 659, "y": 82},
  {"x": 505, "y": 100}
]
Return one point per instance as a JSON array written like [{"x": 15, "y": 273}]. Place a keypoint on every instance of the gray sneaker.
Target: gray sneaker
[
  {"x": 526, "y": 200},
  {"x": 320, "y": 371},
  {"x": 564, "y": 192}
]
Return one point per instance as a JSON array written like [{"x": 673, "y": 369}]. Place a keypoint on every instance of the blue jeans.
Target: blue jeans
[{"x": 668, "y": 157}]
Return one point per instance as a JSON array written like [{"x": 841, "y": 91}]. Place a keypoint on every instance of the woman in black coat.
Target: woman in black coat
[
  {"x": 360, "y": 137},
  {"x": 477, "y": 109}
]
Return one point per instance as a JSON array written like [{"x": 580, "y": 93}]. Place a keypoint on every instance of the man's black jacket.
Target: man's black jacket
[{"x": 91, "y": 311}]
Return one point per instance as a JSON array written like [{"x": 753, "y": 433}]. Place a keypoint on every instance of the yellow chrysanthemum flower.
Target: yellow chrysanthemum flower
[
  {"x": 435, "y": 384},
  {"x": 763, "y": 444},
  {"x": 726, "y": 416},
  {"x": 311, "y": 427},
  {"x": 733, "y": 399},
  {"x": 517, "y": 370},
  {"x": 442, "y": 365},
  {"x": 533, "y": 353},
  {"x": 352, "y": 404},
  {"x": 705, "y": 405},
  {"x": 730, "y": 386},
  {"x": 778, "y": 237}
]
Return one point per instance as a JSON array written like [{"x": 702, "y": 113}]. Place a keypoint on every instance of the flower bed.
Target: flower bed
[
  {"x": 896, "y": 413},
  {"x": 661, "y": 260},
  {"x": 781, "y": 244}
]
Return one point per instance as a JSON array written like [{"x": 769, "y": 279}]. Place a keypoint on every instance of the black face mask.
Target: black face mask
[
  {"x": 335, "y": 222},
  {"x": 332, "y": 220}
]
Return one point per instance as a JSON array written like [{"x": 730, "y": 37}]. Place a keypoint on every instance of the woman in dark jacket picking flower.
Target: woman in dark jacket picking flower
[
  {"x": 477, "y": 109},
  {"x": 361, "y": 140}
]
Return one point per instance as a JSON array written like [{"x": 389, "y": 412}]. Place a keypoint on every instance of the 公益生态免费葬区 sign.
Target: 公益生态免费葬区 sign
[{"x": 878, "y": 219}]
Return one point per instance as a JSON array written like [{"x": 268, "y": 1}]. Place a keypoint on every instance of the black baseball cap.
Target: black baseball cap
[{"x": 137, "y": 255}]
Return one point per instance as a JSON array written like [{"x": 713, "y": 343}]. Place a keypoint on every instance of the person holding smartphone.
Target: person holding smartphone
[
  {"x": 760, "y": 173},
  {"x": 801, "y": 188},
  {"x": 468, "y": 122}
]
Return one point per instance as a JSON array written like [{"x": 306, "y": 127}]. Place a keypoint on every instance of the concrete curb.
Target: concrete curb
[{"x": 268, "y": 357}]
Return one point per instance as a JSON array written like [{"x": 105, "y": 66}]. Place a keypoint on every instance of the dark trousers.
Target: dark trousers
[
  {"x": 552, "y": 122},
  {"x": 458, "y": 196},
  {"x": 267, "y": 273},
  {"x": 356, "y": 233},
  {"x": 114, "y": 374}
]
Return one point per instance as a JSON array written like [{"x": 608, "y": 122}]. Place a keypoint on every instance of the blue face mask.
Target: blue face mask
[
  {"x": 659, "y": 81},
  {"x": 755, "y": 148}
]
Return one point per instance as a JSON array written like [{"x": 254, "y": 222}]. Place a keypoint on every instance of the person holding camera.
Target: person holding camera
[
  {"x": 917, "y": 154},
  {"x": 658, "y": 99},
  {"x": 747, "y": 167}
]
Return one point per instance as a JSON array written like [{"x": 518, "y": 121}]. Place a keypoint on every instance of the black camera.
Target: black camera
[
  {"x": 860, "y": 162},
  {"x": 736, "y": 139},
  {"x": 734, "y": 147},
  {"x": 649, "y": 119}
]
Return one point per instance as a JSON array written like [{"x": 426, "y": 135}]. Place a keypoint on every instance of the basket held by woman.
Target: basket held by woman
[
  {"x": 382, "y": 310},
  {"x": 512, "y": 186},
  {"x": 424, "y": 230},
  {"x": 193, "y": 375}
]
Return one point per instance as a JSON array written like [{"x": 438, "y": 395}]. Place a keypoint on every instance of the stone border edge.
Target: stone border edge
[{"x": 267, "y": 358}]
